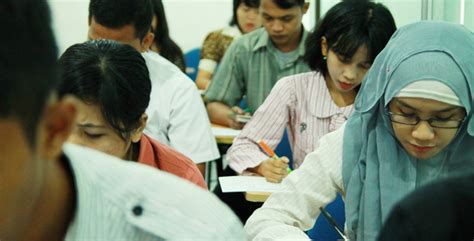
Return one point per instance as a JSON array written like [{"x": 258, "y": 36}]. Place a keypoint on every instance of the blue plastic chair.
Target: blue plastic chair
[
  {"x": 192, "y": 58},
  {"x": 284, "y": 148},
  {"x": 322, "y": 230}
]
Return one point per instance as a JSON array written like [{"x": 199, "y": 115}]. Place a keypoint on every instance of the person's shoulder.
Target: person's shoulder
[
  {"x": 163, "y": 71},
  {"x": 255, "y": 35},
  {"x": 304, "y": 77},
  {"x": 298, "y": 81},
  {"x": 231, "y": 31},
  {"x": 228, "y": 31},
  {"x": 334, "y": 139},
  {"x": 170, "y": 207},
  {"x": 248, "y": 41},
  {"x": 168, "y": 154}
]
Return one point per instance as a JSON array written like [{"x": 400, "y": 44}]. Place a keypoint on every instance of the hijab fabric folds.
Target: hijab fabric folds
[{"x": 376, "y": 170}]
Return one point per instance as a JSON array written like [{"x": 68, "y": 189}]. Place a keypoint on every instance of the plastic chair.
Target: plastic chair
[
  {"x": 322, "y": 230},
  {"x": 192, "y": 58},
  {"x": 284, "y": 148}
]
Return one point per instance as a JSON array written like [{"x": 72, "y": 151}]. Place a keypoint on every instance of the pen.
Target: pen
[
  {"x": 333, "y": 223},
  {"x": 269, "y": 151},
  {"x": 248, "y": 110}
]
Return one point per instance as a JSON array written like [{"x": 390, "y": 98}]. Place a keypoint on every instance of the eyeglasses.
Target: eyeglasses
[{"x": 433, "y": 122}]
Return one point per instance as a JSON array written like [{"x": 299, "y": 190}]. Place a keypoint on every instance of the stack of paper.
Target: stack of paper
[
  {"x": 220, "y": 131},
  {"x": 247, "y": 184}
]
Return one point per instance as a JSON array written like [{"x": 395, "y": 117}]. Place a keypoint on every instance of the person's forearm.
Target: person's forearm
[
  {"x": 218, "y": 113},
  {"x": 255, "y": 170},
  {"x": 202, "y": 79}
]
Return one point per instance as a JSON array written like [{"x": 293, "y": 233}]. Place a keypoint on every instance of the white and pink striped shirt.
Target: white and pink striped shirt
[{"x": 302, "y": 103}]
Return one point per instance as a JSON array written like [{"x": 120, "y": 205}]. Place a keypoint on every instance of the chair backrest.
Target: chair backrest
[
  {"x": 284, "y": 148},
  {"x": 322, "y": 230},
  {"x": 192, "y": 61}
]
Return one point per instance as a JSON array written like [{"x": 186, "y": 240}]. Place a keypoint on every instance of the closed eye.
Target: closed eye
[
  {"x": 94, "y": 135},
  {"x": 344, "y": 59},
  {"x": 444, "y": 118},
  {"x": 407, "y": 113},
  {"x": 366, "y": 66},
  {"x": 287, "y": 18}
]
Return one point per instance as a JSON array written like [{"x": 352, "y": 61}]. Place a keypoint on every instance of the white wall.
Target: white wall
[
  {"x": 403, "y": 11},
  {"x": 191, "y": 20},
  {"x": 69, "y": 21}
]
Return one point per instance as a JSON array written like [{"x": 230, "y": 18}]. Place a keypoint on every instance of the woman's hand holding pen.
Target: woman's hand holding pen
[{"x": 274, "y": 169}]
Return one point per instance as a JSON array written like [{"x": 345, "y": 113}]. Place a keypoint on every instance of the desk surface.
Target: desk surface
[
  {"x": 257, "y": 196},
  {"x": 226, "y": 135},
  {"x": 223, "y": 134}
]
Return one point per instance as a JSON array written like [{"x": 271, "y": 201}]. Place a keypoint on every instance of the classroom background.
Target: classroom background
[{"x": 191, "y": 20}]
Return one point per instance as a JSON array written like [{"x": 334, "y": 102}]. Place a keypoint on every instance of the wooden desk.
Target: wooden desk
[
  {"x": 224, "y": 135},
  {"x": 224, "y": 138},
  {"x": 257, "y": 196}
]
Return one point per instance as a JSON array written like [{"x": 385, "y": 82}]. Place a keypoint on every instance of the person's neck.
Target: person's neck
[
  {"x": 292, "y": 45},
  {"x": 342, "y": 99},
  {"x": 133, "y": 152},
  {"x": 56, "y": 205}
]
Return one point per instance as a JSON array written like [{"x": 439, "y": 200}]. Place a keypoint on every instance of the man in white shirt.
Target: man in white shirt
[
  {"x": 177, "y": 115},
  {"x": 51, "y": 192}
]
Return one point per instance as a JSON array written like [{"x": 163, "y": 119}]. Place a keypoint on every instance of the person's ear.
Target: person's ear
[
  {"x": 305, "y": 8},
  {"x": 324, "y": 46},
  {"x": 56, "y": 125},
  {"x": 137, "y": 133},
  {"x": 147, "y": 41}
]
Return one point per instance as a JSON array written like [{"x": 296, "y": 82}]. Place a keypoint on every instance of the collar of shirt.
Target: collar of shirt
[
  {"x": 264, "y": 41},
  {"x": 232, "y": 31},
  {"x": 147, "y": 156},
  {"x": 325, "y": 109},
  {"x": 113, "y": 193}
]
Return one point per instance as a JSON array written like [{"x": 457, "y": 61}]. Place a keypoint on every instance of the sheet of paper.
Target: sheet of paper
[
  {"x": 247, "y": 184},
  {"x": 219, "y": 131}
]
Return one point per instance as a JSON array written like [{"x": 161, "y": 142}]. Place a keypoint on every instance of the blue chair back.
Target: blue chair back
[
  {"x": 322, "y": 230},
  {"x": 192, "y": 61},
  {"x": 284, "y": 149}
]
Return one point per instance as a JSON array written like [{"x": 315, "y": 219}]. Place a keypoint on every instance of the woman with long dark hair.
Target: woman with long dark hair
[{"x": 163, "y": 44}]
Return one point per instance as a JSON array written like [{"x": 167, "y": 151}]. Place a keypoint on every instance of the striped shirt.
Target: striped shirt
[
  {"x": 299, "y": 103},
  {"x": 250, "y": 68},
  {"x": 289, "y": 212},
  {"x": 124, "y": 201}
]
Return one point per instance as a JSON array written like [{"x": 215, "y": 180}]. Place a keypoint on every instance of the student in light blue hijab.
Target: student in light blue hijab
[
  {"x": 412, "y": 125},
  {"x": 413, "y": 122}
]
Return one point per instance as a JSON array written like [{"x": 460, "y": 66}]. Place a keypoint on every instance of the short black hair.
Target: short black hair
[
  {"x": 109, "y": 74},
  {"x": 28, "y": 54},
  {"x": 168, "y": 48},
  {"x": 347, "y": 26},
  {"x": 287, "y": 4},
  {"x": 119, "y": 13},
  {"x": 249, "y": 3}
]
